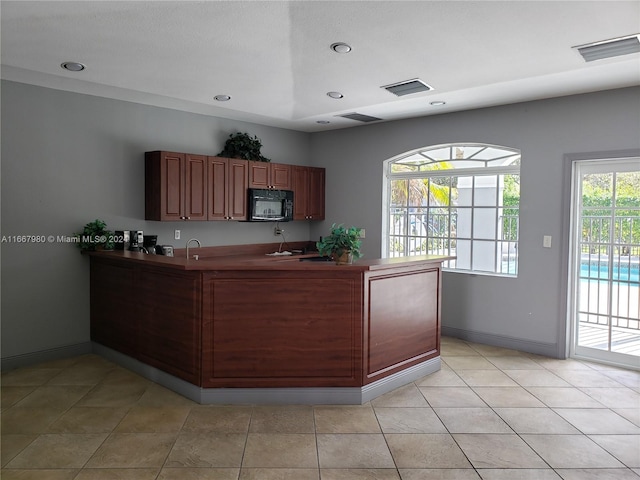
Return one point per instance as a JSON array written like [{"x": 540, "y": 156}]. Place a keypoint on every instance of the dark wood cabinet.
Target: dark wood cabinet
[
  {"x": 175, "y": 186},
  {"x": 308, "y": 192},
  {"x": 152, "y": 315},
  {"x": 113, "y": 306},
  {"x": 403, "y": 320},
  {"x": 227, "y": 188},
  {"x": 229, "y": 324},
  {"x": 183, "y": 186},
  {"x": 316, "y": 193},
  {"x": 273, "y": 337},
  {"x": 169, "y": 317},
  {"x": 269, "y": 175}
]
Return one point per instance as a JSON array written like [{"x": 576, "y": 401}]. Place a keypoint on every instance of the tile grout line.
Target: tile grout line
[
  {"x": 415, "y": 385},
  {"x": 582, "y": 433},
  {"x": 498, "y": 415}
]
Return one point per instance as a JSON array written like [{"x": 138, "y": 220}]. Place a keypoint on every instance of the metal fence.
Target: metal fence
[
  {"x": 609, "y": 271},
  {"x": 434, "y": 231}
]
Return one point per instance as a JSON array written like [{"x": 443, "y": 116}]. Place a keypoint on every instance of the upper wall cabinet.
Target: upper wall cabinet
[
  {"x": 308, "y": 192},
  {"x": 228, "y": 180},
  {"x": 182, "y": 186},
  {"x": 269, "y": 175},
  {"x": 175, "y": 186}
]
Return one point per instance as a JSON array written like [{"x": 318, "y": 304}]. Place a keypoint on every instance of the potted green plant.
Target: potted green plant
[
  {"x": 342, "y": 244},
  {"x": 94, "y": 236},
  {"x": 242, "y": 145}
]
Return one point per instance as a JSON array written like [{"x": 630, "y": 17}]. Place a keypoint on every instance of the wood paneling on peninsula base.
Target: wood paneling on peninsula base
[
  {"x": 256, "y": 329},
  {"x": 400, "y": 322},
  {"x": 282, "y": 329}
]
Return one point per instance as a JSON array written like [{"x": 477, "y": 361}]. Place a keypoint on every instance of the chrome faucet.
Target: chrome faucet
[{"x": 193, "y": 240}]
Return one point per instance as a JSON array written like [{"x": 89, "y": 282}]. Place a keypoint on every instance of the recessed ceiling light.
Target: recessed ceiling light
[
  {"x": 340, "y": 47},
  {"x": 323, "y": 122},
  {"x": 73, "y": 66},
  {"x": 335, "y": 95},
  {"x": 222, "y": 98},
  {"x": 437, "y": 103}
]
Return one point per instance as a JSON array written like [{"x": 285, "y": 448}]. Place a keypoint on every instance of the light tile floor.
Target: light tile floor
[{"x": 490, "y": 413}]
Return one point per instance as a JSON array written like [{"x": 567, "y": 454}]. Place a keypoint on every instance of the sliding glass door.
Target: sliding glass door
[{"x": 604, "y": 285}]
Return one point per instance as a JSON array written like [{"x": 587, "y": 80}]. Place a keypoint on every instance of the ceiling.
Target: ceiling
[{"x": 274, "y": 57}]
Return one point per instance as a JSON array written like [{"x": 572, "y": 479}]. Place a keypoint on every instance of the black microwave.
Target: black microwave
[{"x": 270, "y": 205}]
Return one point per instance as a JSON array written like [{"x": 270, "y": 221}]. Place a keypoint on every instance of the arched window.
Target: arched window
[{"x": 457, "y": 199}]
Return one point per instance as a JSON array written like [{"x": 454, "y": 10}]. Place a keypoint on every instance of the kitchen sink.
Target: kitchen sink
[{"x": 316, "y": 259}]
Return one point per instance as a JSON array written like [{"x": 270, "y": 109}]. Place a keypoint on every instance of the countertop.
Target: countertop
[{"x": 208, "y": 261}]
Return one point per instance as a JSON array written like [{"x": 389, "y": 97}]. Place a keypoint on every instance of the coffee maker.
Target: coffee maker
[
  {"x": 136, "y": 241},
  {"x": 149, "y": 243}
]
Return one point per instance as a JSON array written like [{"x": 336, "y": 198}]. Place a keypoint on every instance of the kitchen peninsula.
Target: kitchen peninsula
[{"x": 239, "y": 326}]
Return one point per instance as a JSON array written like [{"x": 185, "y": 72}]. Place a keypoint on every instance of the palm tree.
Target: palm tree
[
  {"x": 413, "y": 192},
  {"x": 413, "y": 195}
]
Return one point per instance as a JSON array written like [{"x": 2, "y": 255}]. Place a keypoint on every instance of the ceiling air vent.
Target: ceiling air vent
[
  {"x": 407, "y": 87},
  {"x": 360, "y": 117},
  {"x": 609, "y": 48}
]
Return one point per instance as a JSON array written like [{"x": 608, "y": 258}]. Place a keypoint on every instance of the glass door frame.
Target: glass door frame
[{"x": 603, "y": 163}]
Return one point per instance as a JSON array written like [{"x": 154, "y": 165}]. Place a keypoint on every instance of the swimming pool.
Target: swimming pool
[{"x": 621, "y": 272}]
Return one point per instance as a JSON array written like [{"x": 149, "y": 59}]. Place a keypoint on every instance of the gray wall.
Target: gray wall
[
  {"x": 525, "y": 312},
  {"x": 68, "y": 159}
]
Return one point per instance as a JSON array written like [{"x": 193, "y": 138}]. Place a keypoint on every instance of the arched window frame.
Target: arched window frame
[{"x": 475, "y": 164}]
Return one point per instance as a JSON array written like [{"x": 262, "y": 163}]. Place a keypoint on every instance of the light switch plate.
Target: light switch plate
[
  {"x": 176, "y": 235},
  {"x": 546, "y": 241}
]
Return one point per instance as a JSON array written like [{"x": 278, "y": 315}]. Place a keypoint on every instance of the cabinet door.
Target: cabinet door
[
  {"x": 237, "y": 184},
  {"x": 228, "y": 183},
  {"x": 269, "y": 175},
  {"x": 300, "y": 177},
  {"x": 259, "y": 175},
  {"x": 217, "y": 169},
  {"x": 315, "y": 210},
  {"x": 195, "y": 198},
  {"x": 280, "y": 176},
  {"x": 175, "y": 186},
  {"x": 172, "y": 186}
]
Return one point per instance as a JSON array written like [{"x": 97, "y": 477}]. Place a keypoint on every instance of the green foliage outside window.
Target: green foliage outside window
[{"x": 598, "y": 212}]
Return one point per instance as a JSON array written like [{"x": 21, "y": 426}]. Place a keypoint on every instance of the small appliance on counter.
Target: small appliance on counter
[
  {"x": 131, "y": 240},
  {"x": 136, "y": 241},
  {"x": 149, "y": 243},
  {"x": 122, "y": 239}
]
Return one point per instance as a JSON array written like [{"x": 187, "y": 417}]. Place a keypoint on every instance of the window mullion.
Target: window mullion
[
  {"x": 497, "y": 234},
  {"x": 472, "y": 221}
]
